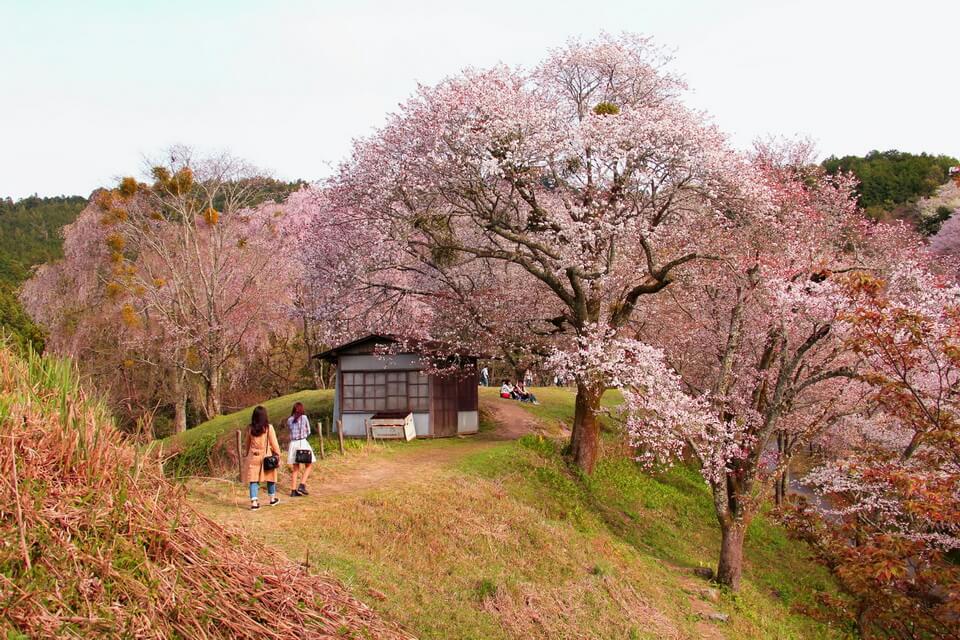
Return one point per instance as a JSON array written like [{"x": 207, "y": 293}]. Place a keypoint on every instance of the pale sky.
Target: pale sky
[{"x": 88, "y": 88}]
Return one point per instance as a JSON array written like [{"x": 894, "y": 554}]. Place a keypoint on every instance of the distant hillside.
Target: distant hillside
[
  {"x": 892, "y": 183},
  {"x": 29, "y": 235}
]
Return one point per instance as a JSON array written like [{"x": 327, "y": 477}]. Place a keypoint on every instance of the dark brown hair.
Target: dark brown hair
[{"x": 259, "y": 421}]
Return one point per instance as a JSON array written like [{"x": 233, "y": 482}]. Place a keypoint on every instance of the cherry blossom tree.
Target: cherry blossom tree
[
  {"x": 87, "y": 321},
  {"x": 754, "y": 340},
  {"x": 191, "y": 277},
  {"x": 195, "y": 251},
  {"x": 583, "y": 185}
]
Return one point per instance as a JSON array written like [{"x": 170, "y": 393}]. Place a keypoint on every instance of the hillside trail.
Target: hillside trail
[
  {"x": 391, "y": 465},
  {"x": 414, "y": 464}
]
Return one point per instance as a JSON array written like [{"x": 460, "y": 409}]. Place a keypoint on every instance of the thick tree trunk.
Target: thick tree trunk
[
  {"x": 180, "y": 414},
  {"x": 730, "y": 568},
  {"x": 585, "y": 438},
  {"x": 180, "y": 401},
  {"x": 212, "y": 404}
]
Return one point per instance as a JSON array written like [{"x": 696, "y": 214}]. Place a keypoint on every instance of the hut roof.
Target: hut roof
[{"x": 416, "y": 346}]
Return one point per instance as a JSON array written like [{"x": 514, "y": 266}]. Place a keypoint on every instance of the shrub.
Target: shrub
[{"x": 930, "y": 225}]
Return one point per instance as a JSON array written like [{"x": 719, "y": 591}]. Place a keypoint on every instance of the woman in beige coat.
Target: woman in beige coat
[{"x": 261, "y": 442}]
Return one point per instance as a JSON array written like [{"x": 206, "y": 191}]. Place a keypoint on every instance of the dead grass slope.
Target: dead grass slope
[{"x": 95, "y": 542}]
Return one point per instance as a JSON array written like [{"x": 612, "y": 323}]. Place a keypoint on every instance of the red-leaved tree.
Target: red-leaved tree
[{"x": 889, "y": 519}]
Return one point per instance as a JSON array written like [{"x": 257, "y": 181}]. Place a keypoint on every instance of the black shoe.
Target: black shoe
[
  {"x": 303, "y": 490},
  {"x": 254, "y": 506},
  {"x": 295, "y": 494},
  {"x": 274, "y": 501}
]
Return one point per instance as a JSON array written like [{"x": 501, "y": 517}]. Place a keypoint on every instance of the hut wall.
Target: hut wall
[
  {"x": 458, "y": 402},
  {"x": 422, "y": 423},
  {"x": 468, "y": 422},
  {"x": 354, "y": 424},
  {"x": 468, "y": 418},
  {"x": 398, "y": 362}
]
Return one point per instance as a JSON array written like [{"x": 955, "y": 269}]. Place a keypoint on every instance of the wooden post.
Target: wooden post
[
  {"x": 366, "y": 426},
  {"x": 340, "y": 434},
  {"x": 322, "y": 455},
  {"x": 240, "y": 455}
]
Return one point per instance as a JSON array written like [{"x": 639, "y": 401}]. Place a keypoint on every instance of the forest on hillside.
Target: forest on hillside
[
  {"x": 30, "y": 234},
  {"x": 892, "y": 182}
]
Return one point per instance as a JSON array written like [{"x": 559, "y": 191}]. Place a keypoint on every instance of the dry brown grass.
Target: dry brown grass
[{"x": 95, "y": 542}]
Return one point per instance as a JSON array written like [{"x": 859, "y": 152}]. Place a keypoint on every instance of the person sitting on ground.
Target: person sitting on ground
[
  {"x": 299, "y": 427},
  {"x": 261, "y": 442},
  {"x": 526, "y": 396},
  {"x": 506, "y": 390},
  {"x": 517, "y": 394}
]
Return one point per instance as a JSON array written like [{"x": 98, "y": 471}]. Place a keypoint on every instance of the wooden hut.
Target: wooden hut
[{"x": 375, "y": 379}]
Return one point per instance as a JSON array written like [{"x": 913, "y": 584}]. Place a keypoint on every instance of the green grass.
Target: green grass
[
  {"x": 507, "y": 541},
  {"x": 556, "y": 404},
  {"x": 195, "y": 450},
  {"x": 317, "y": 403},
  {"x": 668, "y": 518}
]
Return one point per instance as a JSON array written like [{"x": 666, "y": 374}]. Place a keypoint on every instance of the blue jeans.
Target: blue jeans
[{"x": 255, "y": 489}]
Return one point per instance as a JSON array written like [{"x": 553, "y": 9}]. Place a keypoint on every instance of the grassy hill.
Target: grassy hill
[
  {"x": 29, "y": 235},
  {"x": 483, "y": 538},
  {"x": 207, "y": 445}
]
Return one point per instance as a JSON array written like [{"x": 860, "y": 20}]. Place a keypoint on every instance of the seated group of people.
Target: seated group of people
[{"x": 517, "y": 391}]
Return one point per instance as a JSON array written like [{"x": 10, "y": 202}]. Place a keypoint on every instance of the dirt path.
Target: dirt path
[
  {"x": 401, "y": 464},
  {"x": 512, "y": 420},
  {"x": 389, "y": 465}
]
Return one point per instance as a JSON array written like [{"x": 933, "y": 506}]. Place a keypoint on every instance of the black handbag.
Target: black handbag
[
  {"x": 303, "y": 456},
  {"x": 272, "y": 461}
]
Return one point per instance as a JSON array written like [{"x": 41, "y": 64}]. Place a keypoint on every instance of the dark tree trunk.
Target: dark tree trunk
[
  {"x": 730, "y": 568},
  {"x": 585, "y": 437},
  {"x": 782, "y": 480},
  {"x": 313, "y": 364},
  {"x": 781, "y": 484}
]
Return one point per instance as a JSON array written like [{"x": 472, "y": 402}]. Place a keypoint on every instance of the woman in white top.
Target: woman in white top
[{"x": 299, "y": 427}]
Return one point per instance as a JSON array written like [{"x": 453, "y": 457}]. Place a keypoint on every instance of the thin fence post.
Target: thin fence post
[
  {"x": 239, "y": 455},
  {"x": 340, "y": 434},
  {"x": 322, "y": 455}
]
